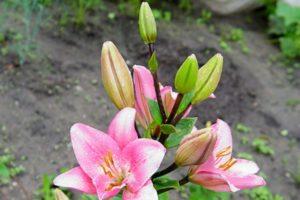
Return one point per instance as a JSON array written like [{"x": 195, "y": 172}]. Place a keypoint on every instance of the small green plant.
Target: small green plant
[
  {"x": 261, "y": 146},
  {"x": 224, "y": 45},
  {"x": 8, "y": 168},
  {"x": 285, "y": 25},
  {"x": 245, "y": 155},
  {"x": 296, "y": 174},
  {"x": 293, "y": 102},
  {"x": 205, "y": 17},
  {"x": 46, "y": 190},
  {"x": 262, "y": 193},
  {"x": 242, "y": 128},
  {"x": 162, "y": 15}
]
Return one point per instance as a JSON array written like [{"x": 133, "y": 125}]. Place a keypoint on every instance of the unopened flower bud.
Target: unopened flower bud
[
  {"x": 186, "y": 76},
  {"x": 196, "y": 147},
  {"x": 147, "y": 25},
  {"x": 116, "y": 76},
  {"x": 208, "y": 78},
  {"x": 59, "y": 195}
]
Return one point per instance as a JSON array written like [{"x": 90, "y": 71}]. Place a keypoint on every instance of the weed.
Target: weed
[
  {"x": 296, "y": 174},
  {"x": 245, "y": 155},
  {"x": 22, "y": 41},
  {"x": 8, "y": 168},
  {"x": 236, "y": 35},
  {"x": 261, "y": 146},
  {"x": 224, "y": 45},
  {"x": 162, "y": 15},
  {"x": 240, "y": 127},
  {"x": 262, "y": 193},
  {"x": 46, "y": 191},
  {"x": 205, "y": 17},
  {"x": 293, "y": 102}
]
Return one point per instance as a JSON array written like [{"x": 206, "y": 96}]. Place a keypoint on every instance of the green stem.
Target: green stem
[
  {"x": 169, "y": 169},
  {"x": 182, "y": 182}
]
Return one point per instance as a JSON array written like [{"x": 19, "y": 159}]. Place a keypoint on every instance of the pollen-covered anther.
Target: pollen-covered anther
[{"x": 113, "y": 170}]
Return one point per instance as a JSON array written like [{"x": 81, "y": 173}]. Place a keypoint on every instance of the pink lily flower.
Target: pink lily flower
[
  {"x": 221, "y": 172},
  {"x": 144, "y": 89},
  {"x": 114, "y": 161}
]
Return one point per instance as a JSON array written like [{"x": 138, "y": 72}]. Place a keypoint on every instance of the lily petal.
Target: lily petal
[
  {"x": 147, "y": 192},
  {"x": 101, "y": 183},
  {"x": 90, "y": 146},
  {"x": 247, "y": 182},
  {"x": 223, "y": 144},
  {"x": 145, "y": 157},
  {"x": 144, "y": 89},
  {"x": 122, "y": 128},
  {"x": 213, "y": 180},
  {"x": 244, "y": 167},
  {"x": 76, "y": 179}
]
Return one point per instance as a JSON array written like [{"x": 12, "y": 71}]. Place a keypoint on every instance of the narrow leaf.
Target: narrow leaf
[
  {"x": 183, "y": 128},
  {"x": 154, "y": 109}
]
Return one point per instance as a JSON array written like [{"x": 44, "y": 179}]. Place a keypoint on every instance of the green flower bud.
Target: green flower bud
[
  {"x": 147, "y": 25},
  {"x": 208, "y": 78},
  {"x": 186, "y": 76}
]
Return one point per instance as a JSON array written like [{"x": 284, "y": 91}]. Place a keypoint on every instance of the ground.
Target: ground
[{"x": 43, "y": 98}]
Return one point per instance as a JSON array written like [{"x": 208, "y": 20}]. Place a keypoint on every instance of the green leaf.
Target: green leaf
[
  {"x": 183, "y": 128},
  {"x": 155, "y": 112},
  {"x": 153, "y": 63},
  {"x": 165, "y": 182},
  {"x": 164, "y": 196},
  {"x": 4, "y": 171},
  {"x": 291, "y": 14},
  {"x": 186, "y": 100},
  {"x": 167, "y": 129}
]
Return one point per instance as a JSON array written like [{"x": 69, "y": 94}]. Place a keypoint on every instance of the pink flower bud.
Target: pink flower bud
[
  {"x": 116, "y": 76},
  {"x": 196, "y": 147}
]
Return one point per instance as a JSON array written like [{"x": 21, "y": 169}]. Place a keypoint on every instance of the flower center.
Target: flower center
[{"x": 112, "y": 168}]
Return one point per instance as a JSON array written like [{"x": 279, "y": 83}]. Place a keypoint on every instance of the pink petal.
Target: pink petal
[
  {"x": 144, "y": 89},
  {"x": 102, "y": 183},
  {"x": 122, "y": 128},
  {"x": 224, "y": 141},
  {"x": 147, "y": 192},
  {"x": 244, "y": 167},
  {"x": 76, "y": 179},
  {"x": 90, "y": 146},
  {"x": 165, "y": 90},
  {"x": 145, "y": 157},
  {"x": 213, "y": 180},
  {"x": 247, "y": 182}
]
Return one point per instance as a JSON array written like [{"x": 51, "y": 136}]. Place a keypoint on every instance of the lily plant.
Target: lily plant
[{"x": 153, "y": 118}]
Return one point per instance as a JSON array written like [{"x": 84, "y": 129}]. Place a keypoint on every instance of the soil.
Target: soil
[{"x": 43, "y": 98}]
